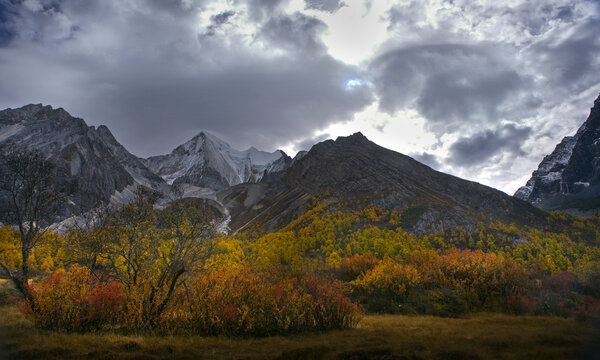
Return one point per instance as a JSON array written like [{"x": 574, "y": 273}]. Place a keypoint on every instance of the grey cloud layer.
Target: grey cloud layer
[
  {"x": 482, "y": 146},
  {"x": 481, "y": 64},
  {"x": 489, "y": 79},
  {"x": 152, "y": 74},
  {"x": 450, "y": 84},
  {"x": 325, "y": 5}
]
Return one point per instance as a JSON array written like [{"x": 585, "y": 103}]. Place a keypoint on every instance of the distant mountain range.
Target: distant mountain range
[
  {"x": 569, "y": 178},
  {"x": 258, "y": 188},
  {"x": 96, "y": 169}
]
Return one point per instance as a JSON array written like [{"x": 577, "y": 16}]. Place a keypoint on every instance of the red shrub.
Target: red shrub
[
  {"x": 72, "y": 301},
  {"x": 242, "y": 302},
  {"x": 524, "y": 305},
  {"x": 588, "y": 308},
  {"x": 562, "y": 282},
  {"x": 105, "y": 302}
]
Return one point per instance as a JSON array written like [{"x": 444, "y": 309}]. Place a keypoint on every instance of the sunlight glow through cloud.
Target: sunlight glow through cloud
[
  {"x": 351, "y": 84},
  {"x": 355, "y": 31}
]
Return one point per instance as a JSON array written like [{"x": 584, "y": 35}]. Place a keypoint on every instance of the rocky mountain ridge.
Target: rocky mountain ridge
[
  {"x": 97, "y": 169},
  {"x": 253, "y": 187},
  {"x": 569, "y": 178},
  {"x": 94, "y": 166},
  {"x": 355, "y": 172}
]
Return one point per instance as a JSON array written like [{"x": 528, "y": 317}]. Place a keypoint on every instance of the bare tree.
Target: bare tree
[{"x": 28, "y": 186}]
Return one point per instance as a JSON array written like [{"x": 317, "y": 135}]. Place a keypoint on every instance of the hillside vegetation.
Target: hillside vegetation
[
  {"x": 141, "y": 269},
  {"x": 478, "y": 336}
]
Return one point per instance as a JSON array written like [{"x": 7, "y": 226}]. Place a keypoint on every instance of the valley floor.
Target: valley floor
[
  {"x": 483, "y": 336},
  {"x": 479, "y": 336}
]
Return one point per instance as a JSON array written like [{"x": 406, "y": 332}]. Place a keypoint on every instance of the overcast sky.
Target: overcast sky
[{"x": 480, "y": 89}]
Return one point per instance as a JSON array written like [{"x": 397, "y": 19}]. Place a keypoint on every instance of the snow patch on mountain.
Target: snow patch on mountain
[
  {"x": 209, "y": 162},
  {"x": 568, "y": 179},
  {"x": 549, "y": 172}
]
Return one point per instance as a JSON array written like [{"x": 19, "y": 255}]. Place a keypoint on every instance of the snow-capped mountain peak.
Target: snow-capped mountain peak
[{"x": 209, "y": 162}]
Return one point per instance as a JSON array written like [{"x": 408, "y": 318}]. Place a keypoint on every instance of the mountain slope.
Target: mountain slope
[
  {"x": 354, "y": 172},
  {"x": 208, "y": 162},
  {"x": 95, "y": 167},
  {"x": 569, "y": 178}
]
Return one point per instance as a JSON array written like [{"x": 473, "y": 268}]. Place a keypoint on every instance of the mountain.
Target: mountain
[
  {"x": 569, "y": 178},
  {"x": 97, "y": 169},
  {"x": 257, "y": 188},
  {"x": 206, "y": 161},
  {"x": 355, "y": 172},
  {"x": 94, "y": 166}
]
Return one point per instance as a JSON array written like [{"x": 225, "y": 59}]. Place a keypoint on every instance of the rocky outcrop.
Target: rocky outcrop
[
  {"x": 93, "y": 166},
  {"x": 547, "y": 179},
  {"x": 569, "y": 178}
]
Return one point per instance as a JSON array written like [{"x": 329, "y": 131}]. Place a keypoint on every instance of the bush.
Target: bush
[
  {"x": 524, "y": 305},
  {"x": 244, "y": 303},
  {"x": 73, "y": 301},
  {"x": 439, "y": 302},
  {"x": 485, "y": 280},
  {"x": 331, "y": 308},
  {"x": 447, "y": 285},
  {"x": 352, "y": 267},
  {"x": 560, "y": 294},
  {"x": 384, "y": 287},
  {"x": 231, "y": 303},
  {"x": 562, "y": 282}
]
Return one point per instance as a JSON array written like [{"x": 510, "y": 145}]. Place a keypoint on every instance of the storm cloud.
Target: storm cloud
[
  {"x": 452, "y": 85},
  {"x": 483, "y": 146},
  {"x": 169, "y": 78},
  {"x": 427, "y": 159},
  {"x": 296, "y": 33},
  {"x": 475, "y": 67},
  {"x": 479, "y": 89}
]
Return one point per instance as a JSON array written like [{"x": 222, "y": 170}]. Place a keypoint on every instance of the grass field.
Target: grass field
[{"x": 480, "y": 336}]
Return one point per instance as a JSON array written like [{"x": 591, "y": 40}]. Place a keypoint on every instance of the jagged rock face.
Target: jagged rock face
[
  {"x": 569, "y": 178},
  {"x": 208, "y": 162},
  {"x": 357, "y": 172},
  {"x": 95, "y": 168},
  {"x": 547, "y": 179}
]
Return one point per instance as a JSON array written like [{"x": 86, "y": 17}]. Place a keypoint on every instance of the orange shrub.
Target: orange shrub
[
  {"x": 231, "y": 303},
  {"x": 352, "y": 267},
  {"x": 73, "y": 301},
  {"x": 485, "y": 280},
  {"x": 331, "y": 308},
  {"x": 242, "y": 302}
]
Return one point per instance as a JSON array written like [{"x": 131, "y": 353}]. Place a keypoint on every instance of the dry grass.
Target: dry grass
[{"x": 481, "y": 336}]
